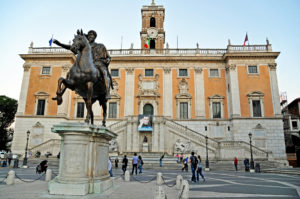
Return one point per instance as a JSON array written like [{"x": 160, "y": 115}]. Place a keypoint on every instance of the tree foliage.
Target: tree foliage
[{"x": 8, "y": 109}]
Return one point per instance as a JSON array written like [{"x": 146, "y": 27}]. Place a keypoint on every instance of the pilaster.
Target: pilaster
[
  {"x": 167, "y": 92},
  {"x": 274, "y": 89},
  {"x": 234, "y": 91},
  {"x": 199, "y": 93},
  {"x": 24, "y": 89},
  {"x": 62, "y": 110},
  {"x": 129, "y": 90}
]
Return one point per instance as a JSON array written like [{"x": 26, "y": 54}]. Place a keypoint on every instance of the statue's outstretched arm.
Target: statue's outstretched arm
[{"x": 65, "y": 46}]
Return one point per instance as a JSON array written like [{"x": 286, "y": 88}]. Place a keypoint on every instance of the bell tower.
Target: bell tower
[{"x": 153, "y": 33}]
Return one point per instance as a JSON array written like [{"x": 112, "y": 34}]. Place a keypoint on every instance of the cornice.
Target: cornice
[
  {"x": 48, "y": 56},
  {"x": 243, "y": 55}
]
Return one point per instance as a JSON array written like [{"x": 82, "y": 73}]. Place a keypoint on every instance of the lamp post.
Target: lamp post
[
  {"x": 206, "y": 162},
  {"x": 251, "y": 160},
  {"x": 25, "y": 158}
]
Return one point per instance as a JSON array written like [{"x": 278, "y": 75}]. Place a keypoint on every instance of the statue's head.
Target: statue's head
[{"x": 91, "y": 36}]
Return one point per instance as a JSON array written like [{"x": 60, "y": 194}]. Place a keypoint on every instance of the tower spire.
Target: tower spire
[{"x": 153, "y": 4}]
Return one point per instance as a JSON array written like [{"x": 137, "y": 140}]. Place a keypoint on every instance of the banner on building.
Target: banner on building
[{"x": 145, "y": 123}]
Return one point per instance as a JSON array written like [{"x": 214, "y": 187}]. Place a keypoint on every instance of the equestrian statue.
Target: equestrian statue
[{"x": 89, "y": 76}]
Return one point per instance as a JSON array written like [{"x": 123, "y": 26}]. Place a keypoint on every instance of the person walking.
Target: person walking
[
  {"x": 177, "y": 156},
  {"x": 235, "y": 162},
  {"x": 116, "y": 162},
  {"x": 185, "y": 165},
  {"x": 110, "y": 167},
  {"x": 199, "y": 169},
  {"x": 9, "y": 157},
  {"x": 135, "y": 160},
  {"x": 140, "y": 164},
  {"x": 194, "y": 163},
  {"x": 124, "y": 164},
  {"x": 160, "y": 160}
]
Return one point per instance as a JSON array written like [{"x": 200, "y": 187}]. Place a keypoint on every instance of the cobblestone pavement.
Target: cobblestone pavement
[{"x": 218, "y": 184}]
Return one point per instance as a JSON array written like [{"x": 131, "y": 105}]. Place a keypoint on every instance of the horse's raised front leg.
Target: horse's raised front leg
[
  {"x": 61, "y": 88},
  {"x": 88, "y": 103}
]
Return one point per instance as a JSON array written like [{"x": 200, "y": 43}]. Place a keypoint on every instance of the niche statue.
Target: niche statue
[{"x": 89, "y": 75}]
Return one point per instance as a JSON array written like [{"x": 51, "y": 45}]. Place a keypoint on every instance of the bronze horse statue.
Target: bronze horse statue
[{"x": 84, "y": 78}]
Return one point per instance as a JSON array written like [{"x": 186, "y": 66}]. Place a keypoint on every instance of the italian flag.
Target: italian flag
[{"x": 147, "y": 43}]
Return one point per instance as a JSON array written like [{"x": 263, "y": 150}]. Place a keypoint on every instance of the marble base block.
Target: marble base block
[
  {"x": 145, "y": 147},
  {"x": 83, "y": 166}
]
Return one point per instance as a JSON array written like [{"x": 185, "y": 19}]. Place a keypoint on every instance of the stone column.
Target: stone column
[
  {"x": 24, "y": 89},
  {"x": 274, "y": 90},
  {"x": 199, "y": 93},
  {"x": 129, "y": 90},
  {"x": 167, "y": 92},
  {"x": 62, "y": 110},
  {"x": 234, "y": 91}
]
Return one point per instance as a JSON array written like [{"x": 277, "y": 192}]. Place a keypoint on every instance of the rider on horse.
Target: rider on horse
[{"x": 101, "y": 59}]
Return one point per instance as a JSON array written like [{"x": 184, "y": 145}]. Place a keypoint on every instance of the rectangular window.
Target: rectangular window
[
  {"x": 216, "y": 106},
  {"x": 256, "y": 108},
  {"x": 183, "y": 73},
  {"x": 80, "y": 110},
  {"x": 294, "y": 125},
  {"x": 40, "y": 107},
  {"x": 46, "y": 70},
  {"x": 183, "y": 110},
  {"x": 214, "y": 73},
  {"x": 114, "y": 72},
  {"x": 112, "y": 113},
  {"x": 149, "y": 72},
  {"x": 252, "y": 70}
]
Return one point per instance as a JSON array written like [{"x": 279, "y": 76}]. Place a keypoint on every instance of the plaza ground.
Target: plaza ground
[{"x": 218, "y": 184}]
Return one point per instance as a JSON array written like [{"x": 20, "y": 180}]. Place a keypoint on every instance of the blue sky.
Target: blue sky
[{"x": 210, "y": 23}]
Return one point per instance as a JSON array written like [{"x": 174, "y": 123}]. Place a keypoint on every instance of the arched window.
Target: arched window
[
  {"x": 152, "y": 44},
  {"x": 148, "y": 109},
  {"x": 152, "y": 22}
]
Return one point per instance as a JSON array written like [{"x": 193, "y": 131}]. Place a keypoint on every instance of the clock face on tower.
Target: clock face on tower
[{"x": 152, "y": 33}]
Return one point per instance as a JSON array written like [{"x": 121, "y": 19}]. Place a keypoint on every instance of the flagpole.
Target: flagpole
[{"x": 177, "y": 41}]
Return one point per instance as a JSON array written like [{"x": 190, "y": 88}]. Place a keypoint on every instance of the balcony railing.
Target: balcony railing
[{"x": 164, "y": 52}]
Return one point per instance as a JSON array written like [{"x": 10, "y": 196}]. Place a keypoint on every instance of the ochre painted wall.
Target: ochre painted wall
[{"x": 249, "y": 83}]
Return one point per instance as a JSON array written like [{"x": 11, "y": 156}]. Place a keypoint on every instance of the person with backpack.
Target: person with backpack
[
  {"x": 140, "y": 164},
  {"x": 199, "y": 169},
  {"x": 124, "y": 164},
  {"x": 194, "y": 163}
]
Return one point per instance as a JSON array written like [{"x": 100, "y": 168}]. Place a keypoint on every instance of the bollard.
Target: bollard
[
  {"x": 185, "y": 193},
  {"x": 127, "y": 176},
  {"x": 179, "y": 182},
  {"x": 160, "y": 192},
  {"x": 159, "y": 180},
  {"x": 48, "y": 175},
  {"x": 10, "y": 180}
]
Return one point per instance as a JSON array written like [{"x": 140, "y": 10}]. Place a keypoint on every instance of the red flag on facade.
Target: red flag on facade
[{"x": 246, "y": 39}]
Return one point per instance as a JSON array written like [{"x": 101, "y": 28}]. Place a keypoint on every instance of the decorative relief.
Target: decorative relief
[
  {"x": 113, "y": 145},
  {"x": 181, "y": 147},
  {"x": 65, "y": 68},
  {"x": 183, "y": 86},
  {"x": 167, "y": 70},
  {"x": 26, "y": 67},
  {"x": 114, "y": 92},
  {"x": 273, "y": 66},
  {"x": 231, "y": 67},
  {"x": 129, "y": 70},
  {"x": 148, "y": 87},
  {"x": 198, "y": 70}
]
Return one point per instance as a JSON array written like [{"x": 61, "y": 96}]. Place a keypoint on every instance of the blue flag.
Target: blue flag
[{"x": 50, "y": 41}]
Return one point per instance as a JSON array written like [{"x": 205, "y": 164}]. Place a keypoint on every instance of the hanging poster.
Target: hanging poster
[{"x": 145, "y": 123}]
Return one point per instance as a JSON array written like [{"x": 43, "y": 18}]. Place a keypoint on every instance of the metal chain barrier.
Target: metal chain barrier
[
  {"x": 3, "y": 179},
  {"x": 181, "y": 192},
  {"x": 30, "y": 180},
  {"x": 143, "y": 181},
  {"x": 167, "y": 184}
]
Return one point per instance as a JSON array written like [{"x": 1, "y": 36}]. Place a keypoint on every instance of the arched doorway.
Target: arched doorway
[
  {"x": 148, "y": 109},
  {"x": 152, "y": 44},
  {"x": 152, "y": 22}
]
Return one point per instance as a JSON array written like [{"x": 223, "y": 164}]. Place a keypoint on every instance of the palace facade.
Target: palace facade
[{"x": 195, "y": 96}]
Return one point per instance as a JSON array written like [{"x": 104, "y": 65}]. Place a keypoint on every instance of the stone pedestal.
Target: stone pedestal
[
  {"x": 83, "y": 166},
  {"x": 145, "y": 147}
]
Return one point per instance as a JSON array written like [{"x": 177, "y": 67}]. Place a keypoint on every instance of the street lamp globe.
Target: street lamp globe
[{"x": 250, "y": 135}]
